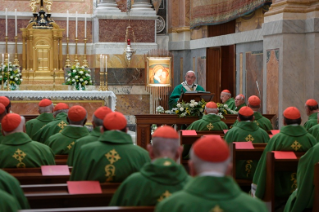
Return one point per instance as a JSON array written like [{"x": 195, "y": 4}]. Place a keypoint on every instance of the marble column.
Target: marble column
[
  {"x": 291, "y": 49},
  {"x": 142, "y": 6},
  {"x": 108, "y": 5}
]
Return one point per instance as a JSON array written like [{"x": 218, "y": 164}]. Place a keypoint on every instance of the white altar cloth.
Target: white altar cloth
[{"x": 108, "y": 96}]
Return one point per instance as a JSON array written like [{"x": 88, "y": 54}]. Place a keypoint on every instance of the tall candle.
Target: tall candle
[
  {"x": 101, "y": 63},
  {"x": 85, "y": 25},
  {"x": 8, "y": 58},
  {"x": 3, "y": 58},
  {"x": 76, "y": 24},
  {"x": 106, "y": 63},
  {"x": 6, "y": 21},
  {"x": 67, "y": 23},
  {"x": 15, "y": 22}
]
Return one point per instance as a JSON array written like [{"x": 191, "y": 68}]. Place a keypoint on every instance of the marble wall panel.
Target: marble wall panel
[
  {"x": 173, "y": 14},
  {"x": 187, "y": 12},
  {"x": 125, "y": 76},
  {"x": 60, "y": 6},
  {"x": 254, "y": 74},
  {"x": 272, "y": 65},
  {"x": 201, "y": 71},
  {"x": 112, "y": 30},
  {"x": 133, "y": 104}
]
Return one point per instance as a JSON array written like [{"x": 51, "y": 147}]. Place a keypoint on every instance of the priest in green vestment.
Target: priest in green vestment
[
  {"x": 187, "y": 85},
  {"x": 303, "y": 197},
  {"x": 311, "y": 110},
  {"x": 113, "y": 157},
  {"x": 314, "y": 130},
  {"x": 259, "y": 119},
  {"x": 46, "y": 116},
  {"x": 239, "y": 102},
  {"x": 17, "y": 150},
  {"x": 228, "y": 101},
  {"x": 157, "y": 179},
  {"x": 3, "y": 112},
  {"x": 11, "y": 185},
  {"x": 62, "y": 142},
  {"x": 60, "y": 112},
  {"x": 97, "y": 123},
  {"x": 211, "y": 189},
  {"x": 8, "y": 203},
  {"x": 246, "y": 130},
  {"x": 210, "y": 122},
  {"x": 292, "y": 137}
]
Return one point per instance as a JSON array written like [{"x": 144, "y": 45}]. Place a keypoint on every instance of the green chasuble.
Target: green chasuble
[
  {"x": 18, "y": 150},
  {"x": 290, "y": 138},
  {"x": 209, "y": 122},
  {"x": 209, "y": 193},
  {"x": 110, "y": 159},
  {"x": 51, "y": 128},
  {"x": 36, "y": 124},
  {"x": 240, "y": 106},
  {"x": 261, "y": 122},
  {"x": 62, "y": 142},
  {"x": 155, "y": 181},
  {"x": 246, "y": 131},
  {"x": 177, "y": 92},
  {"x": 74, "y": 151},
  {"x": 11, "y": 185},
  {"x": 302, "y": 197},
  {"x": 315, "y": 131},
  {"x": 312, "y": 121},
  {"x": 8, "y": 203},
  {"x": 230, "y": 104}
]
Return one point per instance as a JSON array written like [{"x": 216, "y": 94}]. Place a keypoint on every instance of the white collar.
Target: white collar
[
  {"x": 73, "y": 125},
  {"x": 212, "y": 173},
  {"x": 293, "y": 124},
  {"x": 212, "y": 114}
]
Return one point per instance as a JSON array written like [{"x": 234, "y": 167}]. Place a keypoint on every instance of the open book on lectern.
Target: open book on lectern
[{"x": 196, "y": 95}]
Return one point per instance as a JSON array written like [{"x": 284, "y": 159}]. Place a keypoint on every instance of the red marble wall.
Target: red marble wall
[{"x": 115, "y": 30}]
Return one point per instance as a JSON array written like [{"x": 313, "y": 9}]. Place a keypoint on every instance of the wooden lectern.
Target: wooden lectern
[{"x": 196, "y": 95}]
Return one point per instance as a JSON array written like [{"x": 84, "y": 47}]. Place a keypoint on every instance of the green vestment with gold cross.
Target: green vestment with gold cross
[
  {"x": 11, "y": 185},
  {"x": 209, "y": 122},
  {"x": 110, "y": 159},
  {"x": 261, "y": 121},
  {"x": 74, "y": 151},
  {"x": 303, "y": 196},
  {"x": 290, "y": 138},
  {"x": 62, "y": 142},
  {"x": 17, "y": 150},
  {"x": 314, "y": 130},
  {"x": 8, "y": 203},
  {"x": 312, "y": 121},
  {"x": 240, "y": 106},
  {"x": 242, "y": 132},
  {"x": 32, "y": 126},
  {"x": 211, "y": 194},
  {"x": 52, "y": 128},
  {"x": 230, "y": 104},
  {"x": 155, "y": 181}
]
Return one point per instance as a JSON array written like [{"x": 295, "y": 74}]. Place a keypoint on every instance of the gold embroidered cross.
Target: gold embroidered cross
[
  {"x": 70, "y": 145},
  {"x": 112, "y": 156},
  {"x": 19, "y": 155},
  {"x": 256, "y": 122},
  {"x": 210, "y": 126},
  {"x": 167, "y": 163},
  {"x": 249, "y": 138},
  {"x": 296, "y": 145},
  {"x": 216, "y": 209},
  {"x": 294, "y": 182},
  {"x": 62, "y": 124},
  {"x": 164, "y": 195}
]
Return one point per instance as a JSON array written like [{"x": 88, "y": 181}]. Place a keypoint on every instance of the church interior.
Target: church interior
[{"x": 136, "y": 57}]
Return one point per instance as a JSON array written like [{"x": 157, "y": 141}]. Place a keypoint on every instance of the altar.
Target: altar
[{"x": 25, "y": 102}]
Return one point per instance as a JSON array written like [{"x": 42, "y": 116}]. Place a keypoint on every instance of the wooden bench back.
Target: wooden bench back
[{"x": 97, "y": 209}]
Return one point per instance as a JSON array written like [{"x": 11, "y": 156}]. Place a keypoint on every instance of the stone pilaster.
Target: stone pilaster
[
  {"x": 108, "y": 5},
  {"x": 141, "y": 6}
]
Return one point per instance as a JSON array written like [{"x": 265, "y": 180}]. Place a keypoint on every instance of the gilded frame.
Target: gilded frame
[{"x": 159, "y": 71}]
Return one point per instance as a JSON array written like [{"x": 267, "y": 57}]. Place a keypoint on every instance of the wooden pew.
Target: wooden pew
[
  {"x": 57, "y": 196},
  {"x": 315, "y": 207},
  {"x": 61, "y": 159},
  {"x": 274, "y": 165},
  {"x": 97, "y": 209},
  {"x": 34, "y": 176},
  {"x": 245, "y": 154}
]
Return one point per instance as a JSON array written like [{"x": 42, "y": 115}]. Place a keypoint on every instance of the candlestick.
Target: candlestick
[
  {"x": 15, "y": 22},
  {"x": 67, "y": 61},
  {"x": 6, "y": 54},
  {"x": 76, "y": 24},
  {"x": 2, "y": 58},
  {"x": 16, "y": 61},
  {"x": 76, "y": 51},
  {"x": 6, "y": 21},
  {"x": 85, "y": 62},
  {"x": 8, "y": 58},
  {"x": 67, "y": 23},
  {"x": 85, "y": 25},
  {"x": 104, "y": 78}
]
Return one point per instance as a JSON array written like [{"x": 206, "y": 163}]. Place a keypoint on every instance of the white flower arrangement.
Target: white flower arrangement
[
  {"x": 159, "y": 109},
  {"x": 79, "y": 77},
  {"x": 191, "y": 108},
  {"x": 10, "y": 76}
]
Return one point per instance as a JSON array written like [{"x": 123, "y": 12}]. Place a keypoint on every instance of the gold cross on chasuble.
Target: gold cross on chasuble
[
  {"x": 164, "y": 195},
  {"x": 216, "y": 209},
  {"x": 210, "y": 126},
  {"x": 19, "y": 155},
  {"x": 296, "y": 145},
  {"x": 112, "y": 156},
  {"x": 62, "y": 124},
  {"x": 70, "y": 145},
  {"x": 249, "y": 138}
]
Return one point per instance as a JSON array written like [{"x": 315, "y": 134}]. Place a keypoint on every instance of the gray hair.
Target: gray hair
[
  {"x": 211, "y": 110},
  {"x": 204, "y": 166},
  {"x": 229, "y": 94},
  {"x": 47, "y": 109},
  {"x": 18, "y": 129},
  {"x": 60, "y": 111},
  {"x": 98, "y": 122},
  {"x": 81, "y": 122},
  {"x": 165, "y": 146},
  {"x": 241, "y": 97},
  {"x": 190, "y": 71}
]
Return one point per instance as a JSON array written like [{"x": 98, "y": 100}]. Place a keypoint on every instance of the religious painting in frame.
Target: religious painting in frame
[{"x": 159, "y": 71}]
